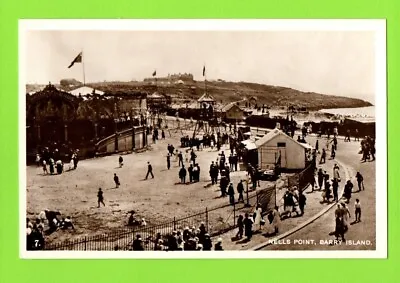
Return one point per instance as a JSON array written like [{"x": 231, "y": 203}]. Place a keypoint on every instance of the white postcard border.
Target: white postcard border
[{"x": 378, "y": 26}]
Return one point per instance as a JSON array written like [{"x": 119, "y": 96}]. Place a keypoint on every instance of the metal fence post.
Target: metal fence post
[
  {"x": 234, "y": 213},
  {"x": 174, "y": 223},
  {"x": 85, "y": 243},
  {"x": 207, "y": 219},
  {"x": 247, "y": 192}
]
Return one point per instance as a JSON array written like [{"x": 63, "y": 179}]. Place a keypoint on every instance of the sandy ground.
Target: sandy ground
[{"x": 158, "y": 200}]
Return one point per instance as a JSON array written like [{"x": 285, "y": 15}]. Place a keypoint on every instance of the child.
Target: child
[
  {"x": 44, "y": 165},
  {"x": 357, "y": 206},
  {"x": 121, "y": 161},
  {"x": 116, "y": 180}
]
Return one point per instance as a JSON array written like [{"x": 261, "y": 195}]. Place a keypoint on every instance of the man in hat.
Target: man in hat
[
  {"x": 137, "y": 244},
  {"x": 302, "y": 202},
  {"x": 168, "y": 161},
  {"x": 207, "y": 243},
  {"x": 100, "y": 198},
  {"x": 360, "y": 181},
  {"x": 182, "y": 174},
  {"x": 240, "y": 189},
  {"x": 248, "y": 226},
  {"x": 149, "y": 170},
  {"x": 121, "y": 161},
  {"x": 180, "y": 158},
  {"x": 320, "y": 175},
  {"x": 235, "y": 161},
  {"x": 231, "y": 194}
]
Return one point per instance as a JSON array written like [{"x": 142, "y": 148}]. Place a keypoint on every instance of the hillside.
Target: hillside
[{"x": 272, "y": 96}]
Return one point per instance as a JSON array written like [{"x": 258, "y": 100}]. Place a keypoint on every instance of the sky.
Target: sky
[{"x": 329, "y": 62}]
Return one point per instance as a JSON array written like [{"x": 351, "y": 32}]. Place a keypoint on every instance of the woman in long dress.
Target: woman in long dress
[
  {"x": 276, "y": 220},
  {"x": 257, "y": 217}
]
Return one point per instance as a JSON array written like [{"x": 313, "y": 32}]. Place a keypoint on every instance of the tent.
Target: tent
[{"x": 278, "y": 147}]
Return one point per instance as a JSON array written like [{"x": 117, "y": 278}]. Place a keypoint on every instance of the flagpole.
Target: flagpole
[
  {"x": 83, "y": 69},
  {"x": 205, "y": 78}
]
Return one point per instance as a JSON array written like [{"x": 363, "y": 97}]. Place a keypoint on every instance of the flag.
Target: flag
[
  {"x": 78, "y": 59},
  {"x": 204, "y": 70},
  {"x": 154, "y": 73}
]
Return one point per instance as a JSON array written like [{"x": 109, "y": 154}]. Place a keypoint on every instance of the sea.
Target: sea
[{"x": 367, "y": 112}]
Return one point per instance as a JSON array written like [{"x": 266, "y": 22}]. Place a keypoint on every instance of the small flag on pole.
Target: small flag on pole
[
  {"x": 204, "y": 70},
  {"x": 154, "y": 73},
  {"x": 78, "y": 59}
]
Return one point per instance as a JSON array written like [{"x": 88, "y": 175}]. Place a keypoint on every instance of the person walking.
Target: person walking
[
  {"x": 193, "y": 157},
  {"x": 348, "y": 190},
  {"x": 116, "y": 180},
  {"x": 357, "y": 208},
  {"x": 320, "y": 178},
  {"x": 149, "y": 170},
  {"x": 240, "y": 226},
  {"x": 121, "y": 161},
  {"x": 240, "y": 189},
  {"x": 335, "y": 186},
  {"x": 180, "y": 158},
  {"x": 323, "y": 156},
  {"x": 347, "y": 138},
  {"x": 100, "y": 198},
  {"x": 360, "y": 181},
  {"x": 168, "y": 161}
]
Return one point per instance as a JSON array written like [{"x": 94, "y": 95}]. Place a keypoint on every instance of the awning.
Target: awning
[
  {"x": 249, "y": 144},
  {"x": 306, "y": 145}
]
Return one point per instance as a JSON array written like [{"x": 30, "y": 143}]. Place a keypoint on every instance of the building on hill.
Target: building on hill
[
  {"x": 171, "y": 78},
  {"x": 232, "y": 112},
  {"x": 276, "y": 147}
]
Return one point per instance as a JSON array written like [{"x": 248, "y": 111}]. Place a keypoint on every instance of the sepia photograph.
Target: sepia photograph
[{"x": 170, "y": 138}]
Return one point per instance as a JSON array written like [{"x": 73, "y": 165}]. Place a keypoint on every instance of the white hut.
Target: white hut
[{"x": 278, "y": 148}]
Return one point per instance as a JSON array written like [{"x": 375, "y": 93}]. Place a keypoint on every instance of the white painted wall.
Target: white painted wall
[{"x": 294, "y": 153}]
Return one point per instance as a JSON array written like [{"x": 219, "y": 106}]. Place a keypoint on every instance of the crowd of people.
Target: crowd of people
[
  {"x": 35, "y": 231},
  {"x": 51, "y": 161},
  {"x": 187, "y": 239}
]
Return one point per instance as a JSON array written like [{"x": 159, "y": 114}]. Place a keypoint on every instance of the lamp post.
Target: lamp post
[{"x": 247, "y": 191}]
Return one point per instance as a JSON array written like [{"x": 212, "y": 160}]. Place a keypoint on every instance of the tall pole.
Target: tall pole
[
  {"x": 83, "y": 68},
  {"x": 205, "y": 79}
]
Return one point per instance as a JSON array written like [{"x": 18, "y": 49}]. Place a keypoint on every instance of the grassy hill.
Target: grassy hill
[{"x": 273, "y": 96}]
